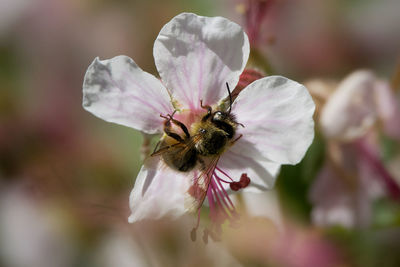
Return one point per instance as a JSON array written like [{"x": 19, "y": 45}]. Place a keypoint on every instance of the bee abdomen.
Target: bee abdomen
[{"x": 180, "y": 159}]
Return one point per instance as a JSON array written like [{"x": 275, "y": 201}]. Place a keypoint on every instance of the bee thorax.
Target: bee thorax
[{"x": 213, "y": 143}]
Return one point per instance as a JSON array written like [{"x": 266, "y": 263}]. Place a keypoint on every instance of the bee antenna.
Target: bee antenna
[{"x": 230, "y": 98}]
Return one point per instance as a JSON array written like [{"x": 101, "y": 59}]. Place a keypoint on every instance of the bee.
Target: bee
[
  {"x": 203, "y": 143},
  {"x": 199, "y": 148}
]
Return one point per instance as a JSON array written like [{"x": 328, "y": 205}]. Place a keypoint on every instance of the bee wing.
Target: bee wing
[
  {"x": 158, "y": 151},
  {"x": 200, "y": 183}
]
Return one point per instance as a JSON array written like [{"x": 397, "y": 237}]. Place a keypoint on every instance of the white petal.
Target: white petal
[
  {"x": 196, "y": 56},
  {"x": 277, "y": 115},
  {"x": 159, "y": 191},
  {"x": 264, "y": 204},
  {"x": 262, "y": 173},
  {"x": 350, "y": 111},
  {"x": 118, "y": 91}
]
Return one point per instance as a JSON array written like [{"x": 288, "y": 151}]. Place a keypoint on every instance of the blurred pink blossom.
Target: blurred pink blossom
[{"x": 354, "y": 174}]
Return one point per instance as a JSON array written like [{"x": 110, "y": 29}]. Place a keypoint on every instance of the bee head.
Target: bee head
[{"x": 219, "y": 116}]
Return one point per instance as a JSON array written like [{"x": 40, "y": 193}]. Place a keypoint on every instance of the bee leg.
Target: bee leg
[
  {"x": 180, "y": 124},
  {"x": 209, "y": 110},
  {"x": 156, "y": 148},
  {"x": 237, "y": 139},
  {"x": 167, "y": 129}
]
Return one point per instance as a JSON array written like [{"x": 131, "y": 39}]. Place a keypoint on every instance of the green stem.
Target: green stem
[{"x": 259, "y": 60}]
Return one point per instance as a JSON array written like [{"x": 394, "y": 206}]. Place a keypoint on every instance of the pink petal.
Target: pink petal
[
  {"x": 159, "y": 191},
  {"x": 350, "y": 111},
  {"x": 338, "y": 200},
  {"x": 118, "y": 91},
  {"x": 197, "y": 55},
  {"x": 262, "y": 173},
  {"x": 277, "y": 116},
  {"x": 332, "y": 202},
  {"x": 388, "y": 106}
]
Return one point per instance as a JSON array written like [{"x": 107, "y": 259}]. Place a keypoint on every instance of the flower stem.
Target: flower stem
[
  {"x": 396, "y": 77},
  {"x": 390, "y": 183},
  {"x": 259, "y": 60}
]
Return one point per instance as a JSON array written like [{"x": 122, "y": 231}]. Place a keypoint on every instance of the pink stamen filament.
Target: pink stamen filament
[
  {"x": 222, "y": 180},
  {"x": 225, "y": 193},
  {"x": 224, "y": 173},
  {"x": 198, "y": 219},
  {"x": 222, "y": 196},
  {"x": 218, "y": 203},
  {"x": 221, "y": 206},
  {"x": 392, "y": 187},
  {"x": 210, "y": 198}
]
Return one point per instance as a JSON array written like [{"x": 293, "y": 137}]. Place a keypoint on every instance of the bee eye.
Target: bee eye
[{"x": 202, "y": 131}]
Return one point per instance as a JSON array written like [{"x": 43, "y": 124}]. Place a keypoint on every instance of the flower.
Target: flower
[
  {"x": 32, "y": 234},
  {"x": 254, "y": 12},
  {"x": 196, "y": 58},
  {"x": 353, "y": 174},
  {"x": 365, "y": 99}
]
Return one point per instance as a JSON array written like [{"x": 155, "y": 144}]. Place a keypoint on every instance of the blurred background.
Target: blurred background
[{"x": 65, "y": 175}]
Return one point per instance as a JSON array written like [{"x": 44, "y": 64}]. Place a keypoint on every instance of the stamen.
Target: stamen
[
  {"x": 222, "y": 180},
  {"x": 222, "y": 196},
  {"x": 226, "y": 194},
  {"x": 205, "y": 236},
  {"x": 193, "y": 234},
  {"x": 224, "y": 173},
  {"x": 194, "y": 230},
  {"x": 221, "y": 206},
  {"x": 244, "y": 182},
  {"x": 235, "y": 186},
  {"x": 210, "y": 198}
]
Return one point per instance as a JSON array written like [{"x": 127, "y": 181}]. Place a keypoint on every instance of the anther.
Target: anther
[
  {"x": 244, "y": 180},
  {"x": 193, "y": 234},
  {"x": 205, "y": 236},
  {"x": 235, "y": 186}
]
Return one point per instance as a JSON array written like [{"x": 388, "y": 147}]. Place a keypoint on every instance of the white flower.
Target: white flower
[{"x": 196, "y": 57}]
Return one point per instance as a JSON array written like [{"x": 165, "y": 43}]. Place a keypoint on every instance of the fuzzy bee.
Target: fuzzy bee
[{"x": 198, "y": 147}]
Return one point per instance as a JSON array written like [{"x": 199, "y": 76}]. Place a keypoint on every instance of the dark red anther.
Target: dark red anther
[
  {"x": 235, "y": 186},
  {"x": 244, "y": 180}
]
